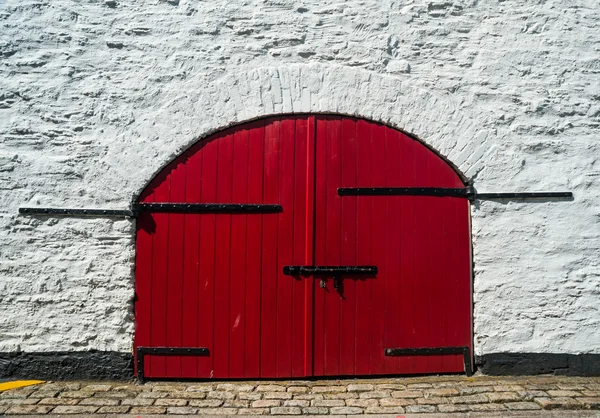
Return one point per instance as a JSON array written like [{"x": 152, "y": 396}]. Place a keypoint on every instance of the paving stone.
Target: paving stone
[
  {"x": 250, "y": 396},
  {"x": 587, "y": 393},
  {"x": 132, "y": 388},
  {"x": 475, "y": 389},
  {"x": 236, "y": 403},
  {"x": 79, "y": 394},
  {"x": 151, "y": 395},
  {"x": 286, "y": 410},
  {"x": 344, "y": 395},
  {"x": 297, "y": 389},
  {"x": 277, "y": 395},
  {"x": 254, "y": 411},
  {"x": 345, "y": 410},
  {"x": 200, "y": 388},
  {"x": 220, "y": 395},
  {"x": 328, "y": 389},
  {"x": 376, "y": 394},
  {"x": 19, "y": 401},
  {"x": 479, "y": 398},
  {"x": 296, "y": 402},
  {"x": 168, "y": 388},
  {"x": 558, "y": 403},
  {"x": 407, "y": 394},
  {"x": 528, "y": 395},
  {"x": 270, "y": 388},
  {"x": 98, "y": 388},
  {"x": 432, "y": 400},
  {"x": 309, "y": 396},
  {"x": 313, "y": 410},
  {"x": 362, "y": 403},
  {"x": 508, "y": 388},
  {"x": 235, "y": 387},
  {"x": 207, "y": 403},
  {"x": 440, "y": 392},
  {"x": 384, "y": 410},
  {"x": 218, "y": 411},
  {"x": 419, "y": 386},
  {"x": 28, "y": 409},
  {"x": 396, "y": 402},
  {"x": 264, "y": 403},
  {"x": 566, "y": 386},
  {"x": 590, "y": 403},
  {"x": 453, "y": 408},
  {"x": 138, "y": 402},
  {"x": 522, "y": 406},
  {"x": 419, "y": 409},
  {"x": 327, "y": 402},
  {"x": 181, "y": 410},
  {"x": 74, "y": 409},
  {"x": 187, "y": 395},
  {"x": 123, "y": 394},
  {"x": 360, "y": 388},
  {"x": 113, "y": 410},
  {"x": 58, "y": 401},
  {"x": 171, "y": 402},
  {"x": 390, "y": 386},
  {"x": 502, "y": 396},
  {"x": 99, "y": 402},
  {"x": 15, "y": 394},
  {"x": 563, "y": 393},
  {"x": 593, "y": 386},
  {"x": 44, "y": 394},
  {"x": 148, "y": 410}
]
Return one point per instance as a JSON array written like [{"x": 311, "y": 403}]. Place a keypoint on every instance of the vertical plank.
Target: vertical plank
[
  {"x": 363, "y": 248},
  {"x": 174, "y": 285},
  {"x": 298, "y": 246},
  {"x": 191, "y": 261},
  {"x": 407, "y": 172},
  {"x": 309, "y": 253},
  {"x": 143, "y": 282},
  {"x": 207, "y": 258},
  {"x": 332, "y": 249},
  {"x": 285, "y": 239},
  {"x": 238, "y": 283},
  {"x": 254, "y": 243},
  {"x": 160, "y": 250},
  {"x": 320, "y": 243},
  {"x": 392, "y": 328},
  {"x": 222, "y": 259},
  {"x": 270, "y": 271},
  {"x": 348, "y": 247},
  {"x": 378, "y": 233}
]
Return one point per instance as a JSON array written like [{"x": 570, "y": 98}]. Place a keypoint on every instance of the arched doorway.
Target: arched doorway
[{"x": 263, "y": 251}]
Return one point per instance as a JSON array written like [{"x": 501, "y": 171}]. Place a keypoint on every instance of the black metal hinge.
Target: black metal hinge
[
  {"x": 465, "y": 351},
  {"x": 467, "y": 193},
  {"x": 227, "y": 208},
  {"x": 165, "y": 351}
]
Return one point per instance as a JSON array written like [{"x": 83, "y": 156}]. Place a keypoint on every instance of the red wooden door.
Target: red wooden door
[
  {"x": 420, "y": 297},
  {"x": 215, "y": 280}
]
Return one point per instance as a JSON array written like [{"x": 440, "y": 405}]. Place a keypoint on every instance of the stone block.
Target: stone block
[
  {"x": 74, "y": 409},
  {"x": 181, "y": 410},
  {"x": 345, "y": 410},
  {"x": 286, "y": 410},
  {"x": 522, "y": 406}
]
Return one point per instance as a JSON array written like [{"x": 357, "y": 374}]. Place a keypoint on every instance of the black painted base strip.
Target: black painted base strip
[
  {"x": 539, "y": 363},
  {"x": 95, "y": 365},
  {"x": 107, "y": 365}
]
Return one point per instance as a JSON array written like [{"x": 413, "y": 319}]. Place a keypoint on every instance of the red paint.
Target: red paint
[{"x": 216, "y": 281}]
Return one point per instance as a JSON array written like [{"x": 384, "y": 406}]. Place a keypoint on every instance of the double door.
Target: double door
[{"x": 252, "y": 263}]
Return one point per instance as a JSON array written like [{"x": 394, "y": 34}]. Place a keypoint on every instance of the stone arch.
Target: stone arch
[{"x": 437, "y": 120}]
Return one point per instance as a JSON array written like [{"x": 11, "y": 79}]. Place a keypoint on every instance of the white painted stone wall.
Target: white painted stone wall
[{"x": 97, "y": 95}]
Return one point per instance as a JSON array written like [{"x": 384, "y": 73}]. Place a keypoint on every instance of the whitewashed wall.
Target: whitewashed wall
[{"x": 96, "y": 96}]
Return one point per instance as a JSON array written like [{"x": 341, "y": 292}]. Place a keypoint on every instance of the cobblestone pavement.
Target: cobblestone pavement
[{"x": 422, "y": 395}]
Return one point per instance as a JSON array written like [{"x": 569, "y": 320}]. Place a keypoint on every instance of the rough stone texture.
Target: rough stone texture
[{"x": 96, "y": 97}]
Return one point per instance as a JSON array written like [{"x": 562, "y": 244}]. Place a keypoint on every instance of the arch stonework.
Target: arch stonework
[{"x": 439, "y": 121}]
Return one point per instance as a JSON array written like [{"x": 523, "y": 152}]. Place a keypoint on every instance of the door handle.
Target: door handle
[{"x": 328, "y": 270}]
